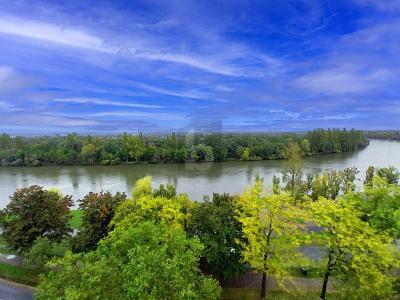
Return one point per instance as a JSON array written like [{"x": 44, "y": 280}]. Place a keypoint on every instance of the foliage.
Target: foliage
[
  {"x": 356, "y": 253},
  {"x": 142, "y": 187},
  {"x": 43, "y": 250},
  {"x": 390, "y": 174},
  {"x": 34, "y": 212},
  {"x": 145, "y": 206},
  {"x": 379, "y": 205},
  {"x": 146, "y": 261},
  {"x": 167, "y": 191},
  {"x": 292, "y": 173},
  {"x": 272, "y": 227},
  {"x": 98, "y": 210},
  {"x": 74, "y": 149},
  {"x": 219, "y": 231},
  {"x": 329, "y": 185}
]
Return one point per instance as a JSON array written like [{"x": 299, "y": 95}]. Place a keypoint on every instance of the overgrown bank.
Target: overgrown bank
[{"x": 101, "y": 150}]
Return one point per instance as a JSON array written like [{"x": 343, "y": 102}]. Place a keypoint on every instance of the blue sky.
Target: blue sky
[{"x": 159, "y": 66}]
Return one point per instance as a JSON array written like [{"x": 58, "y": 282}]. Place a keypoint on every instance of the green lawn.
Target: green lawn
[
  {"x": 76, "y": 219},
  {"x": 19, "y": 274}
]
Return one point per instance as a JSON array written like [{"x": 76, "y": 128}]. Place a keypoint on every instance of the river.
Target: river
[{"x": 193, "y": 179}]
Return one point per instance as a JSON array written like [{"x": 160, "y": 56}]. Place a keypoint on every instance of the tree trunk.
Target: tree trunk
[
  {"x": 264, "y": 277},
  {"x": 325, "y": 285},
  {"x": 263, "y": 286},
  {"x": 331, "y": 264}
]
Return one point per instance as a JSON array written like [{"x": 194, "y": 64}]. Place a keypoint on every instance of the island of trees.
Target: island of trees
[
  {"x": 156, "y": 244},
  {"x": 126, "y": 148}
]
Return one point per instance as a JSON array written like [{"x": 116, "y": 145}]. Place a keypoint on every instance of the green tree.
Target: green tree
[
  {"x": 390, "y": 174},
  {"x": 215, "y": 223},
  {"x": 145, "y": 261},
  {"x": 43, "y": 250},
  {"x": 272, "y": 229},
  {"x": 145, "y": 206},
  {"x": 34, "y": 212},
  {"x": 292, "y": 173},
  {"x": 98, "y": 210},
  {"x": 90, "y": 153},
  {"x": 306, "y": 147},
  {"x": 356, "y": 253},
  {"x": 379, "y": 205}
]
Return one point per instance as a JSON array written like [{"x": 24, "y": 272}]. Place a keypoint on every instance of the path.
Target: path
[{"x": 14, "y": 291}]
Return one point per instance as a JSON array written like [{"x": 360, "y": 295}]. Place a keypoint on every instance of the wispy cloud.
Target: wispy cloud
[
  {"x": 341, "y": 80},
  {"x": 142, "y": 115},
  {"x": 78, "y": 100},
  {"x": 53, "y": 33}
]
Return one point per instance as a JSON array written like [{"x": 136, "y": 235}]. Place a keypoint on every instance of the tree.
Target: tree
[
  {"x": 390, "y": 174},
  {"x": 146, "y": 206},
  {"x": 379, "y": 205},
  {"x": 98, "y": 210},
  {"x": 201, "y": 153},
  {"x": 43, "y": 250},
  {"x": 133, "y": 146},
  {"x": 306, "y": 147},
  {"x": 360, "y": 256},
  {"x": 292, "y": 173},
  {"x": 215, "y": 223},
  {"x": 329, "y": 185},
  {"x": 34, "y": 212},
  {"x": 272, "y": 229},
  {"x": 168, "y": 191},
  {"x": 145, "y": 261},
  {"x": 90, "y": 153}
]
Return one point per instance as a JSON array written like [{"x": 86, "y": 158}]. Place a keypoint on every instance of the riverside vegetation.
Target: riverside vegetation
[
  {"x": 156, "y": 244},
  {"x": 94, "y": 150}
]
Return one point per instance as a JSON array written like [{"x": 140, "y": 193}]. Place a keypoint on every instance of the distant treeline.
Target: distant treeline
[
  {"x": 392, "y": 135},
  {"x": 74, "y": 149}
]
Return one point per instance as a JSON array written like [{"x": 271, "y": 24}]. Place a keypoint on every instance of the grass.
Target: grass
[
  {"x": 254, "y": 294},
  {"x": 76, "y": 220},
  {"x": 4, "y": 249},
  {"x": 19, "y": 274}
]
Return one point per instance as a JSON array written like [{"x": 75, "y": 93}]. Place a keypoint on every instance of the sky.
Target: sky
[{"x": 105, "y": 67}]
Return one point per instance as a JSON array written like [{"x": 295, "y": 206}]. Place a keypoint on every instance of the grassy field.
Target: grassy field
[
  {"x": 76, "y": 219},
  {"x": 19, "y": 274}
]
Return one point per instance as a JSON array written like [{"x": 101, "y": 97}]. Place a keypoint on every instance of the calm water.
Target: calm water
[{"x": 194, "y": 179}]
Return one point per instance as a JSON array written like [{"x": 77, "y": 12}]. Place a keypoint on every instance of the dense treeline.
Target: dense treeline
[
  {"x": 392, "y": 135},
  {"x": 157, "y": 244},
  {"x": 74, "y": 149}
]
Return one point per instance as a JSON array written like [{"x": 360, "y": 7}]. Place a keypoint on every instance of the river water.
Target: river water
[{"x": 194, "y": 179}]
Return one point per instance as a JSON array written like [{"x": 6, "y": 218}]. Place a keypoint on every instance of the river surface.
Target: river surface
[{"x": 194, "y": 179}]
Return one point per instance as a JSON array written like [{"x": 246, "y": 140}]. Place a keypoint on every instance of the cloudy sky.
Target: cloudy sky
[{"x": 159, "y": 65}]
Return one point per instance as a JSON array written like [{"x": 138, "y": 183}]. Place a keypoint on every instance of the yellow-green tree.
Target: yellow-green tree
[
  {"x": 145, "y": 206},
  {"x": 292, "y": 174},
  {"x": 359, "y": 256},
  {"x": 273, "y": 228}
]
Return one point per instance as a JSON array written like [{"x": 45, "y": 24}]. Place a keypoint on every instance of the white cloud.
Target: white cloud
[
  {"x": 79, "y": 100},
  {"x": 53, "y": 33},
  {"x": 337, "y": 80},
  {"x": 142, "y": 46},
  {"x": 141, "y": 115},
  {"x": 384, "y": 5}
]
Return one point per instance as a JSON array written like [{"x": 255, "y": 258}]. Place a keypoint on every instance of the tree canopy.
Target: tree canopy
[{"x": 34, "y": 212}]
